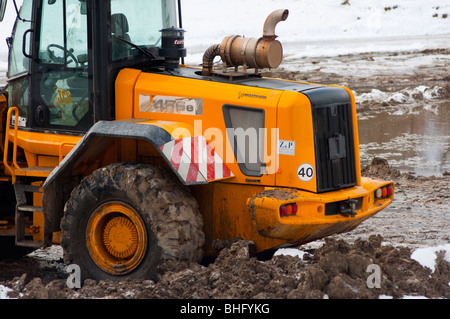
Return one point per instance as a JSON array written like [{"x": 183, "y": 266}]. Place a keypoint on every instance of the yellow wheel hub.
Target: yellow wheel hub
[
  {"x": 116, "y": 238},
  {"x": 120, "y": 237}
]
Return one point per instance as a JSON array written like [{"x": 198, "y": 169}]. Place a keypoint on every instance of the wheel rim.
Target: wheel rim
[{"x": 116, "y": 238}]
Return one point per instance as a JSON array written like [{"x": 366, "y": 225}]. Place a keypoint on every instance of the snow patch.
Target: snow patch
[
  {"x": 427, "y": 256},
  {"x": 290, "y": 252},
  {"x": 53, "y": 252},
  {"x": 405, "y": 99},
  {"x": 4, "y": 292}
]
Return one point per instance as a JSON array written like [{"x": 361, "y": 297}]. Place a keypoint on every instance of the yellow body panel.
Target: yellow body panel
[
  {"x": 210, "y": 123},
  {"x": 125, "y": 83},
  {"x": 34, "y": 144},
  {"x": 38, "y": 217},
  {"x": 226, "y": 215},
  {"x": 295, "y": 106}
]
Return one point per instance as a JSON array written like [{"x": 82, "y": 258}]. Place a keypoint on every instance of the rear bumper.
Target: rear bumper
[{"x": 318, "y": 215}]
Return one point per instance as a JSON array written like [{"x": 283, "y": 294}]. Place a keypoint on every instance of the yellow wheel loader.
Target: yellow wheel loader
[{"x": 127, "y": 158}]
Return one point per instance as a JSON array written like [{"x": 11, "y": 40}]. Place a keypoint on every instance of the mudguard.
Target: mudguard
[
  {"x": 191, "y": 159},
  {"x": 98, "y": 135}
]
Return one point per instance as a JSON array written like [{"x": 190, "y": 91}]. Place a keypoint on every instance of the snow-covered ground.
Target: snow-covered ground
[
  {"x": 317, "y": 28},
  {"x": 313, "y": 28}
]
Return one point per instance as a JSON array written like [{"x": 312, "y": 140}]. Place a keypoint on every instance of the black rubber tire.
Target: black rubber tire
[{"x": 171, "y": 215}]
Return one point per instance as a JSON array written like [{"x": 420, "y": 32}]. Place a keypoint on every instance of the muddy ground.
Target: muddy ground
[{"x": 332, "y": 268}]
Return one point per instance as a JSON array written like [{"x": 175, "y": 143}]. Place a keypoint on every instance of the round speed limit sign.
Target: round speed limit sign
[{"x": 305, "y": 172}]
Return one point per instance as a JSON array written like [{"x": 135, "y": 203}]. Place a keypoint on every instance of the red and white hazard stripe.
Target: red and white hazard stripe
[{"x": 195, "y": 161}]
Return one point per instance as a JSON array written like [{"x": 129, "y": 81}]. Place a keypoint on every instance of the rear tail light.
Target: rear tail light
[
  {"x": 294, "y": 209},
  {"x": 283, "y": 211},
  {"x": 389, "y": 190},
  {"x": 288, "y": 210},
  {"x": 383, "y": 192}
]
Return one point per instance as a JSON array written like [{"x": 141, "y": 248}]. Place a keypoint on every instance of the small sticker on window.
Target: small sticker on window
[
  {"x": 22, "y": 121},
  {"x": 170, "y": 104}
]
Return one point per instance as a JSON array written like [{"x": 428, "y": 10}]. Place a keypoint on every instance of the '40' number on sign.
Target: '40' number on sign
[{"x": 305, "y": 172}]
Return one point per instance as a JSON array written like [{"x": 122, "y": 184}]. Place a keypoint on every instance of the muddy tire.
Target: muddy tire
[{"x": 126, "y": 220}]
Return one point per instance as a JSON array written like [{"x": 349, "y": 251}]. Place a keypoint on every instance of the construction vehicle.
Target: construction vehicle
[{"x": 127, "y": 158}]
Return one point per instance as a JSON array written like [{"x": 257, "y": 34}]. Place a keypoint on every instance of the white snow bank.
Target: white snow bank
[
  {"x": 309, "y": 21},
  {"x": 427, "y": 256},
  {"x": 406, "y": 99},
  {"x": 405, "y": 96},
  {"x": 53, "y": 252},
  {"x": 316, "y": 21},
  {"x": 346, "y": 28},
  {"x": 4, "y": 292}
]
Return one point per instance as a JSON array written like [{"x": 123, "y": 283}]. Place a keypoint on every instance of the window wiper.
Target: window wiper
[{"x": 147, "y": 53}]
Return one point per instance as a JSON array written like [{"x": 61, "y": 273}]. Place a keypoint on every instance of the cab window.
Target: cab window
[
  {"x": 63, "y": 49},
  {"x": 139, "y": 25},
  {"x": 63, "y": 33},
  {"x": 19, "y": 65}
]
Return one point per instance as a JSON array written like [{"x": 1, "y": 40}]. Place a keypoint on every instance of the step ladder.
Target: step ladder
[
  {"x": 24, "y": 204},
  {"x": 23, "y": 178}
]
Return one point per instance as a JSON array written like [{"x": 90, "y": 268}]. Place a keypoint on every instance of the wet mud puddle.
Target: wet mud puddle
[{"x": 411, "y": 139}]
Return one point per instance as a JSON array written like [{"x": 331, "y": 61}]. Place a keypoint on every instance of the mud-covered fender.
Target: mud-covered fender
[
  {"x": 99, "y": 137},
  {"x": 191, "y": 159}
]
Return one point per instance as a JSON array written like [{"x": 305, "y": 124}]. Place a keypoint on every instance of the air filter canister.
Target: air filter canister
[{"x": 172, "y": 47}]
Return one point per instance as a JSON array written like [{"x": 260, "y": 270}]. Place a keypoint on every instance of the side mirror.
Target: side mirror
[{"x": 2, "y": 9}]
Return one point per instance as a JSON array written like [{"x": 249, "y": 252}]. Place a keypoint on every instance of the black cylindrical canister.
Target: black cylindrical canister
[{"x": 172, "y": 47}]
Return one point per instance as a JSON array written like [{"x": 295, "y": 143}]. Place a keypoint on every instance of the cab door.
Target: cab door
[
  {"x": 60, "y": 69},
  {"x": 49, "y": 73}
]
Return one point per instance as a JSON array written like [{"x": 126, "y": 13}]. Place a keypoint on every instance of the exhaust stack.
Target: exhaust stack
[
  {"x": 271, "y": 22},
  {"x": 257, "y": 53}
]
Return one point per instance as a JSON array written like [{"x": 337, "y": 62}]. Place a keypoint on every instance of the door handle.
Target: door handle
[{"x": 24, "y": 40}]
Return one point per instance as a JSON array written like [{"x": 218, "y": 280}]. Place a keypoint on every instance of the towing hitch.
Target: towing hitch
[{"x": 348, "y": 208}]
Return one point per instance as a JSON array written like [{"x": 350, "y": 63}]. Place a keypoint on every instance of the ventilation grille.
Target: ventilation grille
[{"x": 334, "y": 144}]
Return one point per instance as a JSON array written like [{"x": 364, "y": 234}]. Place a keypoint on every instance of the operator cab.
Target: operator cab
[{"x": 64, "y": 56}]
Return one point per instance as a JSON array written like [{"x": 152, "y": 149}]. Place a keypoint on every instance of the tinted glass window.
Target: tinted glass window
[
  {"x": 139, "y": 24},
  {"x": 245, "y": 129},
  {"x": 63, "y": 48},
  {"x": 18, "y": 63},
  {"x": 64, "y": 33}
]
